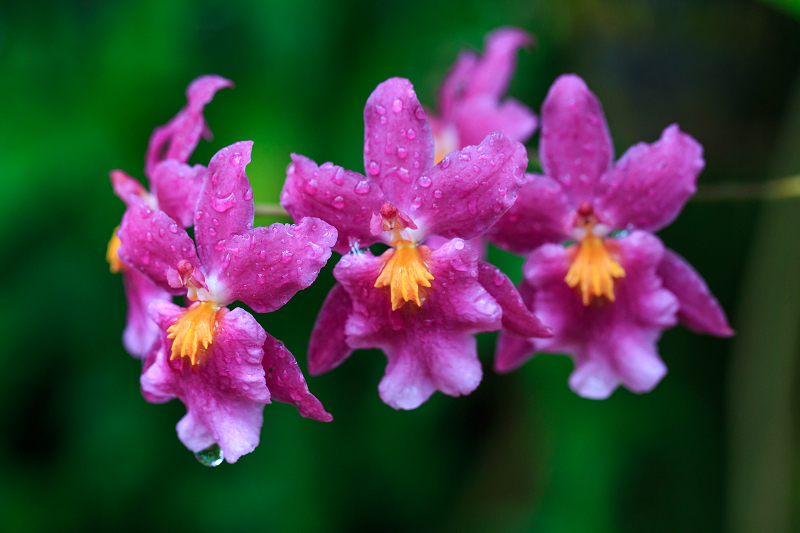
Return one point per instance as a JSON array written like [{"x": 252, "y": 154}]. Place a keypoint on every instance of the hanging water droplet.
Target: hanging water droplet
[{"x": 211, "y": 456}]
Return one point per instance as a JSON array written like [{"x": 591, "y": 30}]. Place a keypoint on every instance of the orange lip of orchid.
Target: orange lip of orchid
[
  {"x": 115, "y": 265},
  {"x": 193, "y": 329},
  {"x": 593, "y": 268},
  {"x": 404, "y": 271}
]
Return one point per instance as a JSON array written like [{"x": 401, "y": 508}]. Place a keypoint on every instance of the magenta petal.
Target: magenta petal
[
  {"x": 345, "y": 199},
  {"x": 574, "y": 146},
  {"x": 178, "y": 138},
  {"x": 448, "y": 363},
  {"x": 398, "y": 144},
  {"x": 225, "y": 207},
  {"x": 128, "y": 189},
  {"x": 157, "y": 381},
  {"x": 455, "y": 83},
  {"x": 468, "y": 191},
  {"x": 152, "y": 243},
  {"x": 493, "y": 71},
  {"x": 266, "y": 266},
  {"x": 516, "y": 317},
  {"x": 480, "y": 115},
  {"x": 328, "y": 346},
  {"x": 541, "y": 214},
  {"x": 699, "y": 310},
  {"x": 177, "y": 187},
  {"x": 286, "y": 382},
  {"x": 226, "y": 393},
  {"x": 610, "y": 343},
  {"x": 512, "y": 352},
  {"x": 650, "y": 183},
  {"x": 428, "y": 348},
  {"x": 141, "y": 333}
]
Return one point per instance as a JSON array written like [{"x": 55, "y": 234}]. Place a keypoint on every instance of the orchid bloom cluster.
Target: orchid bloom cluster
[{"x": 598, "y": 284}]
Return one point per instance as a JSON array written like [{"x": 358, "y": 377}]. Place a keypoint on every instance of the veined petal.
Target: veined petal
[
  {"x": 152, "y": 243},
  {"x": 469, "y": 190},
  {"x": 177, "y": 187},
  {"x": 266, "y": 266},
  {"x": 140, "y": 333},
  {"x": 574, "y": 146},
  {"x": 225, "y": 394},
  {"x": 178, "y": 138},
  {"x": 286, "y": 382},
  {"x": 478, "y": 116},
  {"x": 328, "y": 346},
  {"x": 516, "y": 317},
  {"x": 699, "y": 310},
  {"x": 398, "y": 144},
  {"x": 540, "y": 214},
  {"x": 225, "y": 207},
  {"x": 649, "y": 185},
  {"x": 492, "y": 73},
  {"x": 345, "y": 199}
]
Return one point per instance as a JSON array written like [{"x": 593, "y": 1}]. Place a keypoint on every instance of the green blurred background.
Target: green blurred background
[{"x": 82, "y": 85}]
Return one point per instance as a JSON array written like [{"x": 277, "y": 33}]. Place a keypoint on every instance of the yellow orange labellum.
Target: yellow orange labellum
[
  {"x": 193, "y": 332},
  {"x": 594, "y": 269},
  {"x": 404, "y": 273},
  {"x": 114, "y": 263}
]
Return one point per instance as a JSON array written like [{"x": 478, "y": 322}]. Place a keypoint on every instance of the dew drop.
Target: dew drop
[
  {"x": 338, "y": 202},
  {"x": 173, "y": 228},
  {"x": 338, "y": 176},
  {"x": 212, "y": 231},
  {"x": 161, "y": 232},
  {"x": 263, "y": 255},
  {"x": 149, "y": 237},
  {"x": 311, "y": 187},
  {"x": 286, "y": 256},
  {"x": 261, "y": 279},
  {"x": 380, "y": 109},
  {"x": 211, "y": 456},
  {"x": 383, "y": 120},
  {"x": 397, "y": 105},
  {"x": 374, "y": 168},
  {"x": 411, "y": 134},
  {"x": 401, "y": 152},
  {"x": 248, "y": 195},
  {"x": 437, "y": 193},
  {"x": 215, "y": 221},
  {"x": 425, "y": 181},
  {"x": 362, "y": 187},
  {"x": 459, "y": 244},
  {"x": 445, "y": 162},
  {"x": 416, "y": 203},
  {"x": 221, "y": 205},
  {"x": 420, "y": 113}
]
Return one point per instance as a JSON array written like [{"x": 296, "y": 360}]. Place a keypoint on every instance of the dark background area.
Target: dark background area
[{"x": 82, "y": 85}]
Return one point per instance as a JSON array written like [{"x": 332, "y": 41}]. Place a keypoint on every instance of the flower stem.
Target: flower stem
[
  {"x": 271, "y": 210},
  {"x": 776, "y": 189}
]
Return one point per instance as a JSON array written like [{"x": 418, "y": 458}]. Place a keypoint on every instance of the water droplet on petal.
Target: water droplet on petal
[
  {"x": 263, "y": 255},
  {"x": 383, "y": 120},
  {"x": 459, "y": 244},
  {"x": 411, "y": 134},
  {"x": 445, "y": 162},
  {"x": 401, "y": 152},
  {"x": 173, "y": 228},
  {"x": 425, "y": 181},
  {"x": 362, "y": 187},
  {"x": 149, "y": 237},
  {"x": 374, "y": 168},
  {"x": 211, "y": 456},
  {"x": 397, "y": 105},
  {"x": 311, "y": 187},
  {"x": 261, "y": 279},
  {"x": 286, "y": 256},
  {"x": 221, "y": 205},
  {"x": 437, "y": 193},
  {"x": 380, "y": 109},
  {"x": 338, "y": 202},
  {"x": 420, "y": 113},
  {"x": 212, "y": 231}
]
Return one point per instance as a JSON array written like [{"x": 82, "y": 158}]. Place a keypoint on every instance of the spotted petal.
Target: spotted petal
[
  {"x": 575, "y": 146},
  {"x": 266, "y": 266},
  {"x": 345, "y": 199},
  {"x": 649, "y": 185},
  {"x": 398, "y": 144}
]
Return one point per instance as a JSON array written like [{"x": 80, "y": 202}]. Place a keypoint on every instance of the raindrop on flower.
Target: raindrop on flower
[
  {"x": 338, "y": 202},
  {"x": 362, "y": 187},
  {"x": 211, "y": 456},
  {"x": 397, "y": 105},
  {"x": 221, "y": 205}
]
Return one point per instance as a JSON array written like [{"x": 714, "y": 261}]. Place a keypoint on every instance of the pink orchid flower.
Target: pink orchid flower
[
  {"x": 174, "y": 187},
  {"x": 609, "y": 296},
  {"x": 469, "y": 98},
  {"x": 221, "y": 363},
  {"x": 421, "y": 300}
]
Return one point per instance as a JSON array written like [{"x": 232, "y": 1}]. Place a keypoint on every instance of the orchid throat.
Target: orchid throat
[
  {"x": 404, "y": 271},
  {"x": 594, "y": 266}
]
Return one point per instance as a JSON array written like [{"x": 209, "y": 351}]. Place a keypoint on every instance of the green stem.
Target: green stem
[
  {"x": 270, "y": 210},
  {"x": 777, "y": 189}
]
